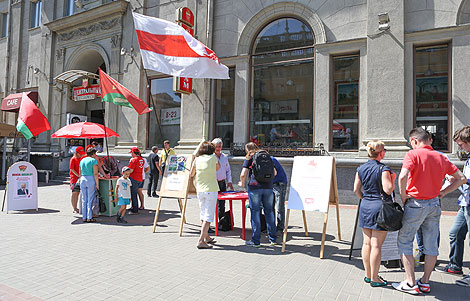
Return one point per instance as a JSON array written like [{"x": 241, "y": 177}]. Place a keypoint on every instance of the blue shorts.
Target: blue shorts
[
  {"x": 425, "y": 214},
  {"x": 141, "y": 185},
  {"x": 123, "y": 201}
]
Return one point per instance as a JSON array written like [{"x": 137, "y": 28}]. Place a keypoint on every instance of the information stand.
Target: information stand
[
  {"x": 389, "y": 247},
  {"x": 22, "y": 187},
  {"x": 356, "y": 241},
  {"x": 313, "y": 187},
  {"x": 175, "y": 184}
]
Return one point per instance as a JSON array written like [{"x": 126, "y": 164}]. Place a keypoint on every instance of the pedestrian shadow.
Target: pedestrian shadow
[
  {"x": 33, "y": 211},
  {"x": 144, "y": 218},
  {"x": 442, "y": 291}
]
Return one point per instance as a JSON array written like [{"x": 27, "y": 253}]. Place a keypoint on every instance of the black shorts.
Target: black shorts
[{"x": 75, "y": 187}]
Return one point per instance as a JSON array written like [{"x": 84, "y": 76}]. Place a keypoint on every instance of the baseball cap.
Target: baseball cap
[
  {"x": 134, "y": 150},
  {"x": 80, "y": 150},
  {"x": 125, "y": 168}
]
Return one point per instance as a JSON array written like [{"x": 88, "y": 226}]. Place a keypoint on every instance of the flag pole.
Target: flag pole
[{"x": 105, "y": 134}]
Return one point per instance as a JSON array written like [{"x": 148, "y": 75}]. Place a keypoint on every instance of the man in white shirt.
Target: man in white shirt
[{"x": 224, "y": 174}]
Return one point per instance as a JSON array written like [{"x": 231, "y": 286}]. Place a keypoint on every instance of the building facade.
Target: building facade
[{"x": 302, "y": 72}]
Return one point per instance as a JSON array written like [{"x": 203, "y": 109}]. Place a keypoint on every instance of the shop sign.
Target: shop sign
[
  {"x": 185, "y": 15},
  {"x": 86, "y": 93},
  {"x": 183, "y": 85},
  {"x": 170, "y": 116},
  {"x": 283, "y": 107}
]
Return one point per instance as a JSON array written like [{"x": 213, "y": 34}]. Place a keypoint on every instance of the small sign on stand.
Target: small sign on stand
[
  {"x": 313, "y": 187},
  {"x": 176, "y": 184},
  {"x": 22, "y": 187}
]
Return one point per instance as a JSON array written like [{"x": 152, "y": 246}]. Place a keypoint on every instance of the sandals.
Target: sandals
[
  {"x": 92, "y": 220},
  {"x": 210, "y": 241},
  {"x": 203, "y": 246},
  {"x": 378, "y": 284}
]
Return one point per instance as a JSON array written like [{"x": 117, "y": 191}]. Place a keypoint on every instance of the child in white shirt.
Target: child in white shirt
[{"x": 123, "y": 192}]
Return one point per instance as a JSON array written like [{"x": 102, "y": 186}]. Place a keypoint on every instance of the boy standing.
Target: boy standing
[{"x": 123, "y": 191}]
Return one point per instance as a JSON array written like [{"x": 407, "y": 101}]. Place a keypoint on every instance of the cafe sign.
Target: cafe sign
[{"x": 86, "y": 93}]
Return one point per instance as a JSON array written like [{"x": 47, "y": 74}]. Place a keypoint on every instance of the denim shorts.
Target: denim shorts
[{"x": 425, "y": 214}]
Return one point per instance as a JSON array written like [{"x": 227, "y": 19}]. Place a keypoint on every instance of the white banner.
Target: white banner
[{"x": 310, "y": 183}]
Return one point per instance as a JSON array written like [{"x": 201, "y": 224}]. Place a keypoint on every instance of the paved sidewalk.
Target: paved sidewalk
[{"x": 52, "y": 255}]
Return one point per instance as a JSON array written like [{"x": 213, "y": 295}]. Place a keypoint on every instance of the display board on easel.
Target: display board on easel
[
  {"x": 313, "y": 187},
  {"x": 389, "y": 246},
  {"x": 22, "y": 187},
  {"x": 176, "y": 184}
]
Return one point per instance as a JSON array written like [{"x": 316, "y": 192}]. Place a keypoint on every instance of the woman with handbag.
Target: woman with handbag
[{"x": 367, "y": 186}]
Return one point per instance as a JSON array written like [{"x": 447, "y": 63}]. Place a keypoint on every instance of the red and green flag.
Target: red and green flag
[
  {"x": 31, "y": 122},
  {"x": 113, "y": 91}
]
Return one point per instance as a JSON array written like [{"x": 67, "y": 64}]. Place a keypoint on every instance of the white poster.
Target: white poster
[
  {"x": 22, "y": 187},
  {"x": 310, "y": 183},
  {"x": 74, "y": 118},
  {"x": 175, "y": 182},
  {"x": 170, "y": 116}
]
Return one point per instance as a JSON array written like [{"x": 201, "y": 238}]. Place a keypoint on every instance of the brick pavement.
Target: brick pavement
[{"x": 52, "y": 255}]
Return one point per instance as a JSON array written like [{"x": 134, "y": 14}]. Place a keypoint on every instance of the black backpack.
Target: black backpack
[
  {"x": 262, "y": 167},
  {"x": 225, "y": 222}
]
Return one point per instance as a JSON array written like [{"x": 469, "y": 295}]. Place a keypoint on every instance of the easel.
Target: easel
[
  {"x": 167, "y": 190},
  {"x": 353, "y": 248},
  {"x": 322, "y": 169}
]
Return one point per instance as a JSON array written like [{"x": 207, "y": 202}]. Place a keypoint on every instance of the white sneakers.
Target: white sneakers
[
  {"x": 404, "y": 287},
  {"x": 465, "y": 281}
]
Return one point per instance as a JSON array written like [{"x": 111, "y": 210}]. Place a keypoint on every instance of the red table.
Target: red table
[{"x": 229, "y": 196}]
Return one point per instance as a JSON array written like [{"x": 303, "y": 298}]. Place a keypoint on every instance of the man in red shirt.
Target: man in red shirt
[
  {"x": 420, "y": 183},
  {"x": 136, "y": 165},
  {"x": 74, "y": 174}
]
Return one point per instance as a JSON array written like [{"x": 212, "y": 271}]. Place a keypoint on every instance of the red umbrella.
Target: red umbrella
[{"x": 84, "y": 130}]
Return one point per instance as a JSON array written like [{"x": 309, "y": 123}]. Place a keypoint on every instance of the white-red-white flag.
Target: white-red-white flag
[{"x": 166, "y": 47}]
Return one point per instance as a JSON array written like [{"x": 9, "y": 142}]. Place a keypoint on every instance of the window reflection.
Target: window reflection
[
  {"x": 224, "y": 108},
  {"x": 167, "y": 106},
  {"x": 345, "y": 103},
  {"x": 432, "y": 93},
  {"x": 282, "y": 104}
]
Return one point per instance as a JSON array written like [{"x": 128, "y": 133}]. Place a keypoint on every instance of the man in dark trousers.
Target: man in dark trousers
[{"x": 155, "y": 172}]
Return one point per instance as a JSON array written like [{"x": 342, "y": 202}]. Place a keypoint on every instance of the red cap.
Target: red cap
[
  {"x": 80, "y": 150},
  {"x": 134, "y": 149},
  {"x": 89, "y": 146}
]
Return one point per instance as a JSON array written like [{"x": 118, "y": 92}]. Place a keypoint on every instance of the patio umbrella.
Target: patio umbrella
[{"x": 84, "y": 130}]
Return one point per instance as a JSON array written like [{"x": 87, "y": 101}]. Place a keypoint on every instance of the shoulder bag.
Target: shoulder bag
[{"x": 390, "y": 215}]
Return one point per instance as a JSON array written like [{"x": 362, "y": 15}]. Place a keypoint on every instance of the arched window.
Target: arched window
[{"x": 282, "y": 90}]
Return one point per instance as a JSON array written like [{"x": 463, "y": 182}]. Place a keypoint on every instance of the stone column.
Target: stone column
[{"x": 384, "y": 116}]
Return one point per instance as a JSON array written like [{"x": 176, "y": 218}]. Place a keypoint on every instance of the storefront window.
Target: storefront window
[
  {"x": 224, "y": 108},
  {"x": 345, "y": 103},
  {"x": 282, "y": 105},
  {"x": 432, "y": 93},
  {"x": 164, "y": 122}
]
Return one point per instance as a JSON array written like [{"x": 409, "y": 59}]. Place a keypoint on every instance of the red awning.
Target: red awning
[{"x": 13, "y": 101}]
